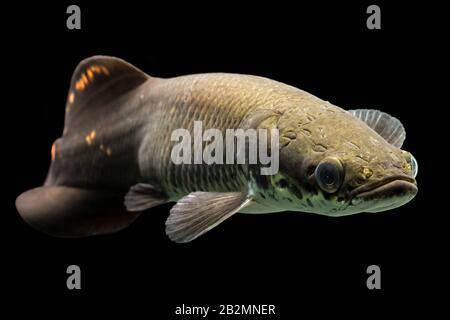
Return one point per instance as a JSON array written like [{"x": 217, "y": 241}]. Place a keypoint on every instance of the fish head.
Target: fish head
[{"x": 332, "y": 163}]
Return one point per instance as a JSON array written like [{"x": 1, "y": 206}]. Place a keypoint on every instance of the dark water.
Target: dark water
[{"x": 299, "y": 262}]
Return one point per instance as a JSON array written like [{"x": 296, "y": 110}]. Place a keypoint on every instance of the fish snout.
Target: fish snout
[{"x": 387, "y": 194}]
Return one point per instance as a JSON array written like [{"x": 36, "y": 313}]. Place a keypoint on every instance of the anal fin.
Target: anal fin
[{"x": 143, "y": 196}]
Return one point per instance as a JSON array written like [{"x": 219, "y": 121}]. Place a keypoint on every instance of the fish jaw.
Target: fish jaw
[{"x": 389, "y": 194}]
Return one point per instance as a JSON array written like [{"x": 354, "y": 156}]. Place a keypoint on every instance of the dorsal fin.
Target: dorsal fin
[
  {"x": 96, "y": 82},
  {"x": 387, "y": 126}
]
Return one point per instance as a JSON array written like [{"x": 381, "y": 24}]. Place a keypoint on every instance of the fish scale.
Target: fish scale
[{"x": 217, "y": 101}]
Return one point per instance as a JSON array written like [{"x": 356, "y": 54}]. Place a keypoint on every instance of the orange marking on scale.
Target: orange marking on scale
[
  {"x": 84, "y": 79},
  {"x": 90, "y": 74},
  {"x": 90, "y": 137},
  {"x": 71, "y": 97},
  {"x": 79, "y": 86},
  {"x": 96, "y": 69},
  {"x": 53, "y": 152},
  {"x": 105, "y": 70}
]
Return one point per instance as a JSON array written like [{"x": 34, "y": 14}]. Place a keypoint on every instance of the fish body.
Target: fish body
[{"x": 114, "y": 159}]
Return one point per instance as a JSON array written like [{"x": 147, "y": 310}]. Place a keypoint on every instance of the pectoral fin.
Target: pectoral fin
[
  {"x": 143, "y": 196},
  {"x": 199, "y": 212},
  {"x": 387, "y": 126}
]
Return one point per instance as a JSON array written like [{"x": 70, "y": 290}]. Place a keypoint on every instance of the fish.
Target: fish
[{"x": 113, "y": 160}]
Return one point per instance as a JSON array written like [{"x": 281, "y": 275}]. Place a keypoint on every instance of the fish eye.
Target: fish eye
[
  {"x": 414, "y": 166},
  {"x": 329, "y": 175}
]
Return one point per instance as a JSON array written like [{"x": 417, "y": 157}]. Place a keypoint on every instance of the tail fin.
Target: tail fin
[
  {"x": 72, "y": 212},
  {"x": 97, "y": 86}
]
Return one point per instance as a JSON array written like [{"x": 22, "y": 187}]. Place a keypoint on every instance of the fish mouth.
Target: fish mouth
[{"x": 388, "y": 193}]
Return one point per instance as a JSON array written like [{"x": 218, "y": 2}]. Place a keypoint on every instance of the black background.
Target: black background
[{"x": 299, "y": 262}]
